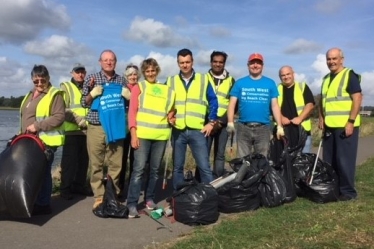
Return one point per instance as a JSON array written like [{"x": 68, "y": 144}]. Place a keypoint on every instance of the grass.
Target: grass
[{"x": 301, "y": 224}]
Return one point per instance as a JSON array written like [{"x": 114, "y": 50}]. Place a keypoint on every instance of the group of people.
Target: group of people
[{"x": 104, "y": 119}]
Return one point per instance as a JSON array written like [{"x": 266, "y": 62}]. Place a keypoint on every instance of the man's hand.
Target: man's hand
[
  {"x": 171, "y": 117},
  {"x": 230, "y": 127},
  {"x": 82, "y": 123},
  {"x": 296, "y": 121},
  {"x": 285, "y": 121},
  {"x": 348, "y": 129},
  {"x": 126, "y": 93},
  {"x": 96, "y": 91},
  {"x": 207, "y": 129},
  {"x": 280, "y": 132}
]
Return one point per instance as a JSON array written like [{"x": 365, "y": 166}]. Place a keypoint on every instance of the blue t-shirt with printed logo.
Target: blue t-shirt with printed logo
[{"x": 254, "y": 98}]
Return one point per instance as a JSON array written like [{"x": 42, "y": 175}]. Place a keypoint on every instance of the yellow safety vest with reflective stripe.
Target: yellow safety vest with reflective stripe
[
  {"x": 222, "y": 93},
  {"x": 298, "y": 96},
  {"x": 155, "y": 102},
  {"x": 336, "y": 101},
  {"x": 191, "y": 104},
  {"x": 74, "y": 95},
  {"x": 54, "y": 137}
]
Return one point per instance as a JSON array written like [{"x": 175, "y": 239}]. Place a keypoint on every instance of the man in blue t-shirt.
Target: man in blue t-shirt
[{"x": 256, "y": 95}]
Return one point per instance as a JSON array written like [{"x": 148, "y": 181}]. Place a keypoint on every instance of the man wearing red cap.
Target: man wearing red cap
[{"x": 256, "y": 95}]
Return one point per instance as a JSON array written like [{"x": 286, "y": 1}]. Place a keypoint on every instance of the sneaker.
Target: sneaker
[
  {"x": 151, "y": 205},
  {"x": 66, "y": 195},
  {"x": 133, "y": 212},
  {"x": 41, "y": 210},
  {"x": 98, "y": 201}
]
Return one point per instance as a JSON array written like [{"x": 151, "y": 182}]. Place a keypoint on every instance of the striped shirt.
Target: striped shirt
[{"x": 100, "y": 79}]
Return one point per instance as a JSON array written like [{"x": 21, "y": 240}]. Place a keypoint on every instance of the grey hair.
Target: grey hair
[
  {"x": 131, "y": 69},
  {"x": 40, "y": 71},
  {"x": 109, "y": 51}
]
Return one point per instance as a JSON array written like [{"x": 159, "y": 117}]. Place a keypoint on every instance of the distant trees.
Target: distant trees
[{"x": 14, "y": 102}]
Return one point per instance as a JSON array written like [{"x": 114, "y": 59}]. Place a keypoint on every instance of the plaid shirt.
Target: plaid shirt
[{"x": 100, "y": 79}]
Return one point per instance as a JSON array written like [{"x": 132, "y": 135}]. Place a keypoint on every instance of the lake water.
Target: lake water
[{"x": 9, "y": 126}]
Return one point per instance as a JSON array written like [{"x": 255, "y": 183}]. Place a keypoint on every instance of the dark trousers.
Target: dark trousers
[
  {"x": 74, "y": 163},
  {"x": 126, "y": 156},
  {"x": 220, "y": 140},
  {"x": 341, "y": 153}
]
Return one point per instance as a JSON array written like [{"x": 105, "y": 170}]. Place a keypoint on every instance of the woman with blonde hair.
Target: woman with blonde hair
[{"x": 150, "y": 104}]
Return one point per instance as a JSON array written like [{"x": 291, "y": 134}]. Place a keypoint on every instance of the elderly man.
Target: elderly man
[
  {"x": 99, "y": 150},
  {"x": 296, "y": 102},
  {"x": 339, "y": 117},
  {"x": 74, "y": 161},
  {"x": 256, "y": 94}
]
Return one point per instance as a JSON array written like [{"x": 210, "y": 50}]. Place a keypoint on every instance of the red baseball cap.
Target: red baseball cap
[{"x": 256, "y": 56}]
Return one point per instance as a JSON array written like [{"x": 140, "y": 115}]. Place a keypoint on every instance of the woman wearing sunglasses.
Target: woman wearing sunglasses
[{"x": 43, "y": 113}]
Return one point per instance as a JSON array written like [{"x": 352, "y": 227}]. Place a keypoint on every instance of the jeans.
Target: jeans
[
  {"x": 74, "y": 163},
  {"x": 198, "y": 145},
  {"x": 308, "y": 144},
  {"x": 341, "y": 153},
  {"x": 154, "y": 150},
  {"x": 252, "y": 139},
  {"x": 219, "y": 149},
  {"x": 44, "y": 196}
]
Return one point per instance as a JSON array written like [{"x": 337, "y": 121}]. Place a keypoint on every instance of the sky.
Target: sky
[{"x": 59, "y": 33}]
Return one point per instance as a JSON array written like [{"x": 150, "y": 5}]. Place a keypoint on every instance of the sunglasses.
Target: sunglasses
[
  {"x": 40, "y": 81},
  {"x": 132, "y": 66}
]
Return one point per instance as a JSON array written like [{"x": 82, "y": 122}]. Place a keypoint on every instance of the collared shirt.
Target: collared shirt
[{"x": 100, "y": 80}]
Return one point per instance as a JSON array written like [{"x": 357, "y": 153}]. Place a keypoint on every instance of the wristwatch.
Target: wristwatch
[
  {"x": 352, "y": 121},
  {"x": 212, "y": 122}
]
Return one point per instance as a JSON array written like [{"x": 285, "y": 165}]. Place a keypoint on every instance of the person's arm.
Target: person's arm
[
  {"x": 276, "y": 111},
  {"x": 354, "y": 89},
  {"x": 213, "y": 103},
  {"x": 133, "y": 107}
]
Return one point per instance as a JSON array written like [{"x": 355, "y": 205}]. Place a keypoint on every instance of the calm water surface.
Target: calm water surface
[{"x": 9, "y": 126}]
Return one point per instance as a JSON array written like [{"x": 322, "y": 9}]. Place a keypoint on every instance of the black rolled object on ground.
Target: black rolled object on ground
[{"x": 22, "y": 170}]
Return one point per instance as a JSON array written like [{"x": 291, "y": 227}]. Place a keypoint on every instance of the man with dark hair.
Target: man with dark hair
[
  {"x": 339, "y": 117},
  {"x": 222, "y": 83},
  {"x": 195, "y": 97},
  {"x": 74, "y": 161}
]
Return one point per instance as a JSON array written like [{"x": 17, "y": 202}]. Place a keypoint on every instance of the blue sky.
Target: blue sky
[{"x": 286, "y": 32}]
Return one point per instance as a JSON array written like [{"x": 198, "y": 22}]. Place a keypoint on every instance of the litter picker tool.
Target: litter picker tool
[
  {"x": 168, "y": 147},
  {"x": 163, "y": 226},
  {"x": 231, "y": 144},
  {"x": 326, "y": 134}
]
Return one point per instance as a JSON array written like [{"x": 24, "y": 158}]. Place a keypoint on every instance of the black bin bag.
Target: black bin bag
[
  {"x": 111, "y": 207},
  {"x": 272, "y": 187},
  {"x": 195, "y": 204},
  {"x": 325, "y": 185},
  {"x": 23, "y": 165}
]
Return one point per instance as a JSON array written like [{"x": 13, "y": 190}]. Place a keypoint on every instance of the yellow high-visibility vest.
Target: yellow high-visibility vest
[
  {"x": 155, "y": 102},
  {"x": 191, "y": 105},
  {"x": 336, "y": 101},
  {"x": 54, "y": 137},
  {"x": 74, "y": 95},
  {"x": 222, "y": 93},
  {"x": 298, "y": 96}
]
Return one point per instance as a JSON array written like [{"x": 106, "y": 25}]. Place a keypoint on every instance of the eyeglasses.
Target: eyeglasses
[{"x": 40, "y": 81}]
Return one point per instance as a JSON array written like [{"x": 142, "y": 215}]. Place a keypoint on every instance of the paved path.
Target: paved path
[{"x": 72, "y": 224}]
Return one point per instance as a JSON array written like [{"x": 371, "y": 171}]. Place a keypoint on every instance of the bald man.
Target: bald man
[
  {"x": 296, "y": 102},
  {"x": 339, "y": 117}
]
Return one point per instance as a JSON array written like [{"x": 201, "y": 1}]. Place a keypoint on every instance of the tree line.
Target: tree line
[{"x": 14, "y": 102}]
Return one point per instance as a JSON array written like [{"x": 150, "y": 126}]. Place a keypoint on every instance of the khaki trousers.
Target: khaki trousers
[{"x": 101, "y": 155}]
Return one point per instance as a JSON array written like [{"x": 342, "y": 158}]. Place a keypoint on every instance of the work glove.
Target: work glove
[
  {"x": 126, "y": 93},
  {"x": 96, "y": 91},
  {"x": 82, "y": 123},
  {"x": 230, "y": 127},
  {"x": 280, "y": 132}
]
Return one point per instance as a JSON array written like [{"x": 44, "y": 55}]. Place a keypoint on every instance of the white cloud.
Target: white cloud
[
  {"x": 301, "y": 46},
  {"x": 156, "y": 33},
  {"x": 55, "y": 46},
  {"x": 367, "y": 80},
  {"x": 23, "y": 20},
  {"x": 14, "y": 77}
]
